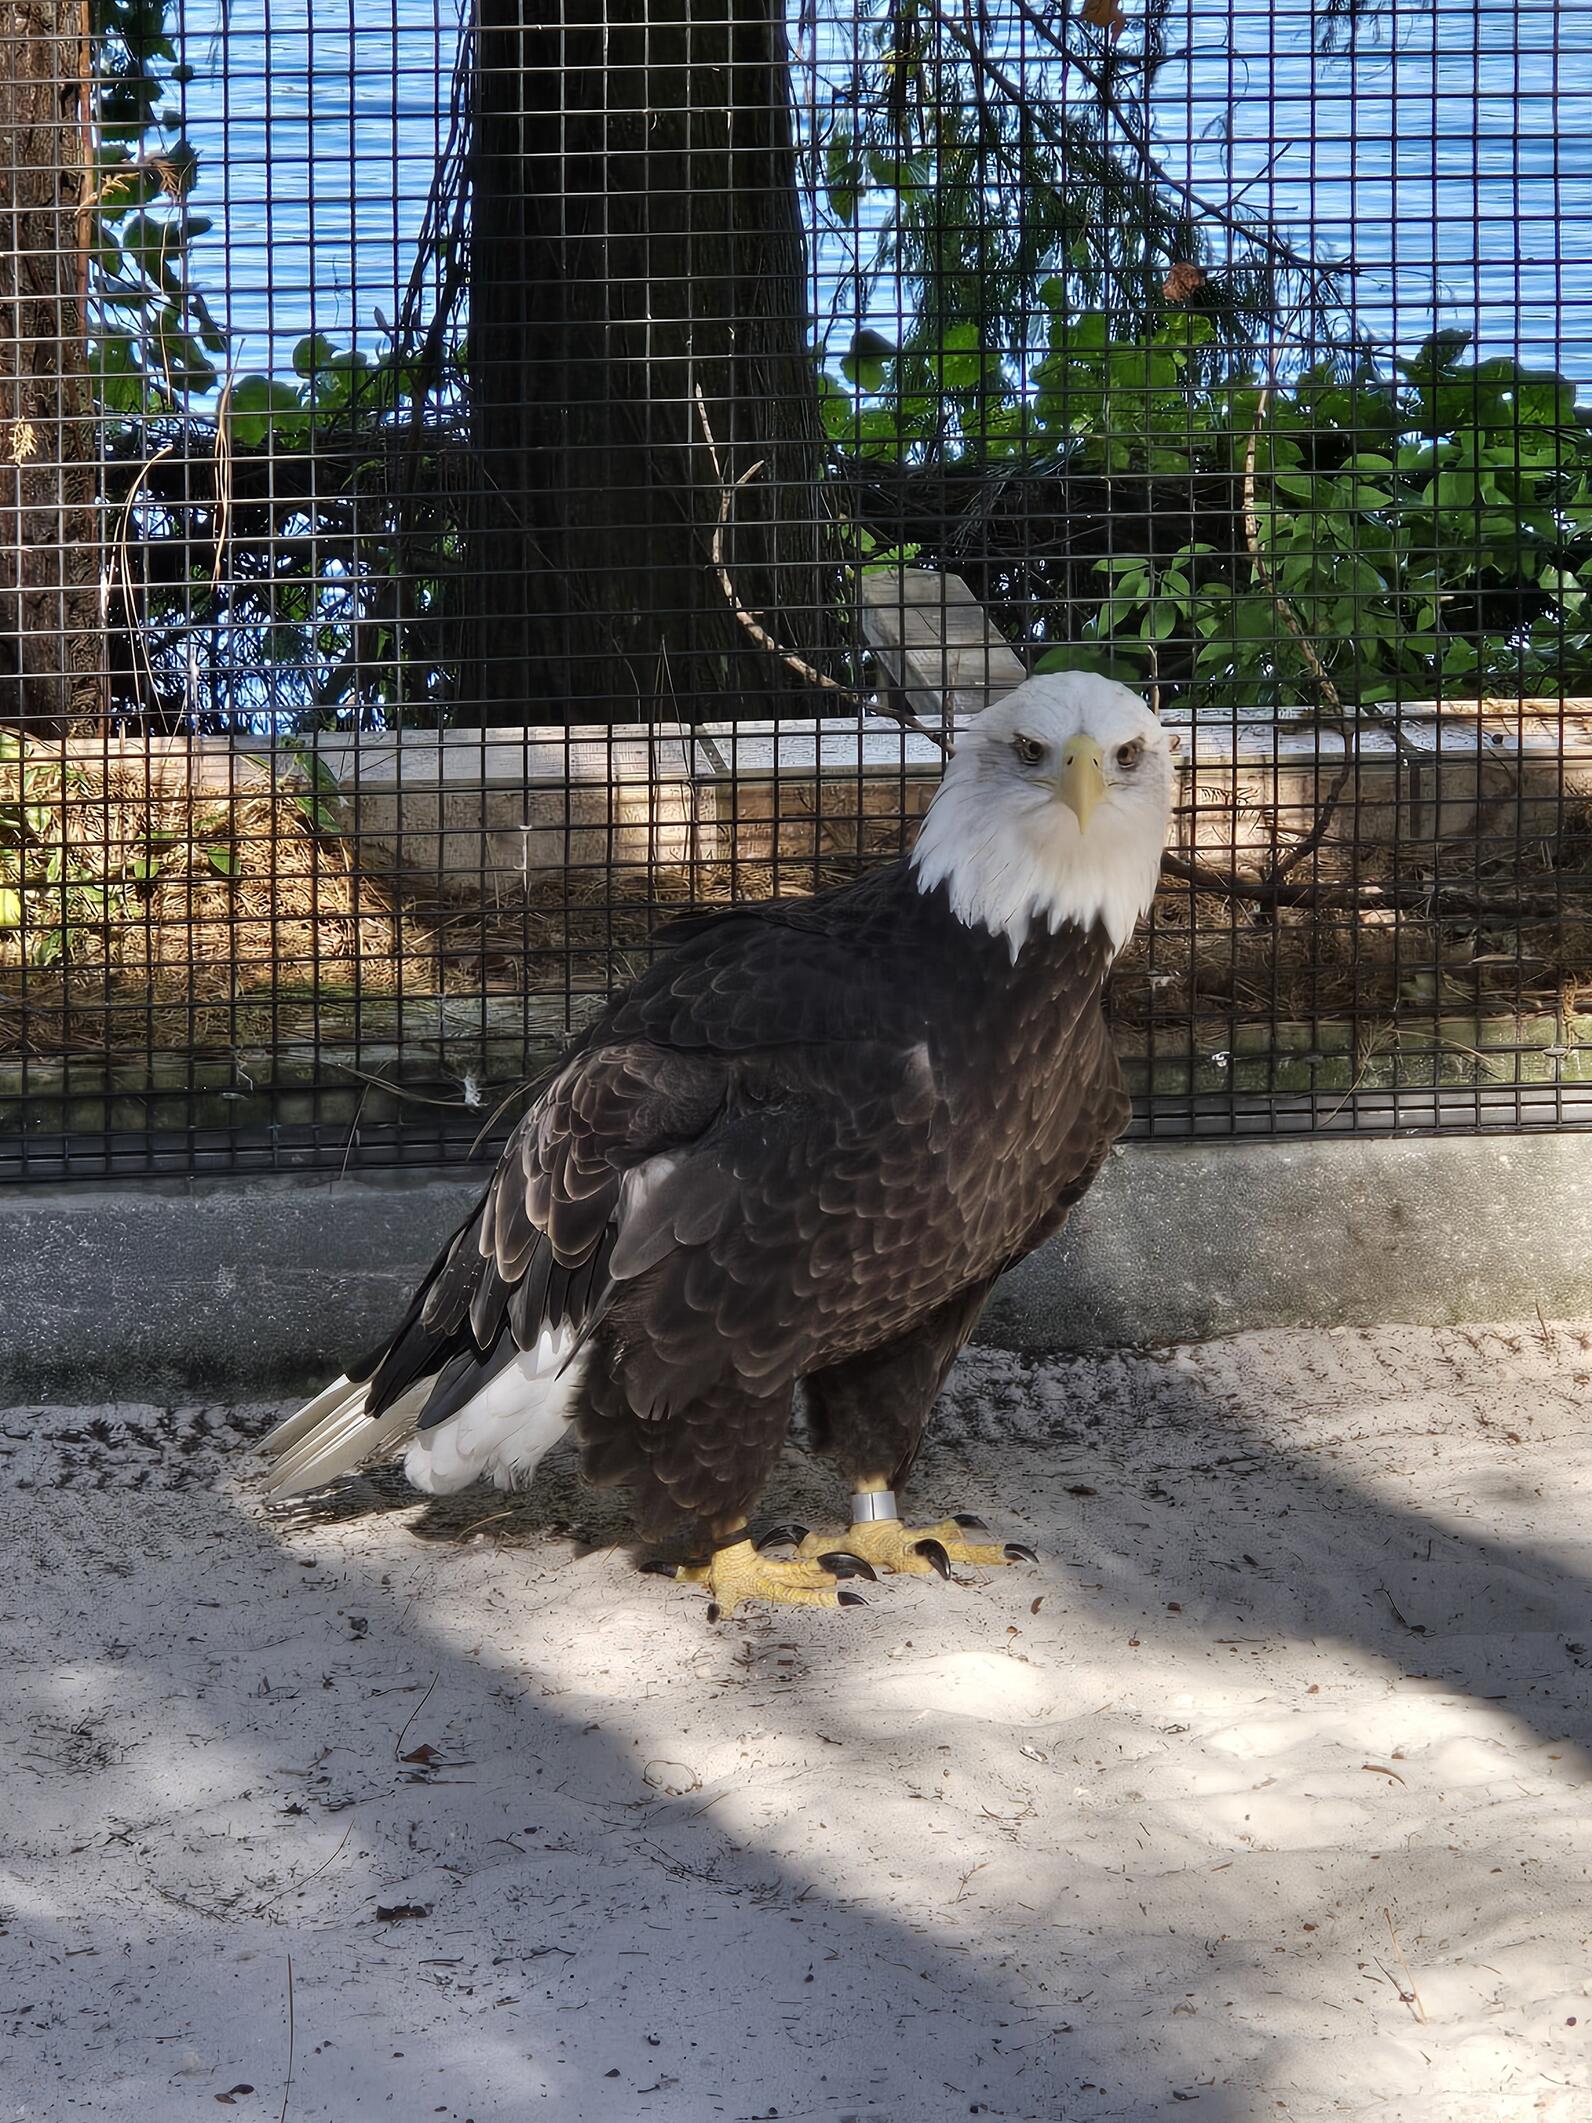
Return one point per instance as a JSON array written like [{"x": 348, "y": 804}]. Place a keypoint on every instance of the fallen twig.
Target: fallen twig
[
  {"x": 397, "y": 1750},
  {"x": 262, "y": 1907},
  {"x": 288, "y": 2085},
  {"x": 1411, "y": 1996}
]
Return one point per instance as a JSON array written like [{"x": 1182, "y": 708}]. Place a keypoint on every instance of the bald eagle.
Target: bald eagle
[{"x": 799, "y": 1149}]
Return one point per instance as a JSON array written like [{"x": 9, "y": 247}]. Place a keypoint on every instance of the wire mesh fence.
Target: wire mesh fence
[{"x": 474, "y": 484}]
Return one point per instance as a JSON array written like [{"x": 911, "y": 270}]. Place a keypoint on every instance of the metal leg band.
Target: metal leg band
[{"x": 870, "y": 1504}]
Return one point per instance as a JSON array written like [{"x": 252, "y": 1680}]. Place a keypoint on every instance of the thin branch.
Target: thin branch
[
  {"x": 223, "y": 476},
  {"x": 1435, "y": 896},
  {"x": 261, "y": 1907},
  {"x": 397, "y": 1745},
  {"x": 1265, "y": 575},
  {"x": 124, "y": 569},
  {"x": 753, "y": 625},
  {"x": 750, "y": 620},
  {"x": 1264, "y": 572},
  {"x": 1262, "y": 237},
  {"x": 1291, "y": 858},
  {"x": 1331, "y": 699},
  {"x": 1154, "y": 659}
]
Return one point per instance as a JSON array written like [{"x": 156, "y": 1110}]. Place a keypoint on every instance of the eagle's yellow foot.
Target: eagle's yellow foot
[
  {"x": 740, "y": 1573},
  {"x": 917, "y": 1550}
]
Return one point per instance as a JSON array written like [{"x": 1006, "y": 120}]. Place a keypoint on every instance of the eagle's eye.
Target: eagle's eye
[
  {"x": 1129, "y": 755},
  {"x": 1029, "y": 750}
]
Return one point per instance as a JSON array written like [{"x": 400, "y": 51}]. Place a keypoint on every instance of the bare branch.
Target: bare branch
[
  {"x": 1434, "y": 896},
  {"x": 1264, "y": 573},
  {"x": 1263, "y": 238},
  {"x": 750, "y": 620}
]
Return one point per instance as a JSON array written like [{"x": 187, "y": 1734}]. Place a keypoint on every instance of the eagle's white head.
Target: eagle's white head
[{"x": 1054, "y": 809}]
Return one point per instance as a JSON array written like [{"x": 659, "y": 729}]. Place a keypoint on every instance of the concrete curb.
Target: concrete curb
[{"x": 263, "y": 1286}]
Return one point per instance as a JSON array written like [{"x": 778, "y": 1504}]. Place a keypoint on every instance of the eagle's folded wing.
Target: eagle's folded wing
[
  {"x": 608, "y": 1176},
  {"x": 598, "y": 1183},
  {"x": 587, "y": 1164}
]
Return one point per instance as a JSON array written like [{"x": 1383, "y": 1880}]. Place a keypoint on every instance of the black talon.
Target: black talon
[
  {"x": 1018, "y": 1552},
  {"x": 777, "y": 1534},
  {"x": 841, "y": 1563},
  {"x": 970, "y": 1520},
  {"x": 847, "y": 1598},
  {"x": 713, "y": 1610},
  {"x": 656, "y": 1567},
  {"x": 934, "y": 1555}
]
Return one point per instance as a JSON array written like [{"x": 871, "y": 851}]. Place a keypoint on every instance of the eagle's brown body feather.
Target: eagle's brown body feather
[{"x": 801, "y": 1147}]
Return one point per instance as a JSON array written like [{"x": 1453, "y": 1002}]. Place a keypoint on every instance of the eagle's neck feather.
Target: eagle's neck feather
[{"x": 1015, "y": 875}]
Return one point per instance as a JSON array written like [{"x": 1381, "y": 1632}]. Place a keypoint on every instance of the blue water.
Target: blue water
[
  {"x": 318, "y": 136},
  {"x": 1449, "y": 154}
]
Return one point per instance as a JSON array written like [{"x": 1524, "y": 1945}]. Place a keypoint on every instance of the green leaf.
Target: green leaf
[
  {"x": 10, "y": 908},
  {"x": 838, "y": 411},
  {"x": 1543, "y": 398},
  {"x": 154, "y": 242},
  {"x": 260, "y": 404},
  {"x": 843, "y": 178},
  {"x": 866, "y": 362},
  {"x": 314, "y": 352},
  {"x": 223, "y": 860},
  {"x": 182, "y": 362},
  {"x": 1436, "y": 355},
  {"x": 1458, "y": 489},
  {"x": 1125, "y": 662},
  {"x": 961, "y": 357}
]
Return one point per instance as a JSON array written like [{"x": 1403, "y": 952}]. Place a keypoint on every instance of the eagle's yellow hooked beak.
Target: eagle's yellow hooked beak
[{"x": 1082, "y": 781}]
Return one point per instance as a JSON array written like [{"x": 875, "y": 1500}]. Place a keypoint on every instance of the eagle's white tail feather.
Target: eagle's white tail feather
[
  {"x": 340, "y": 1439},
  {"x": 502, "y": 1433},
  {"x": 286, "y": 1435}
]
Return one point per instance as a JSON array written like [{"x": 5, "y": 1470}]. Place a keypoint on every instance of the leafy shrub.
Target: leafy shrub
[{"x": 1428, "y": 520}]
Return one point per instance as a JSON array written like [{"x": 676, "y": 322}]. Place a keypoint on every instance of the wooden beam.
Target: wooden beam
[
  {"x": 936, "y": 645},
  {"x": 489, "y": 813}
]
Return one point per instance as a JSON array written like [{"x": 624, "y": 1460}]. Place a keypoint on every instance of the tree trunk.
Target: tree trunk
[
  {"x": 637, "y": 241},
  {"x": 51, "y": 654}
]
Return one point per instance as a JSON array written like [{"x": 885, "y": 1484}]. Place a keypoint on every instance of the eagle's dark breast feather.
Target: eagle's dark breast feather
[{"x": 803, "y": 1130}]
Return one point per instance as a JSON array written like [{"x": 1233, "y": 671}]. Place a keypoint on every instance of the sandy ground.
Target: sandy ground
[{"x": 1266, "y": 1795}]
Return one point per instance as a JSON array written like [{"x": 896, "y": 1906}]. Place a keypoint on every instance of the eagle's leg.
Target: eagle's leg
[
  {"x": 737, "y": 1572},
  {"x": 870, "y": 1413},
  {"x": 694, "y": 1476}
]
